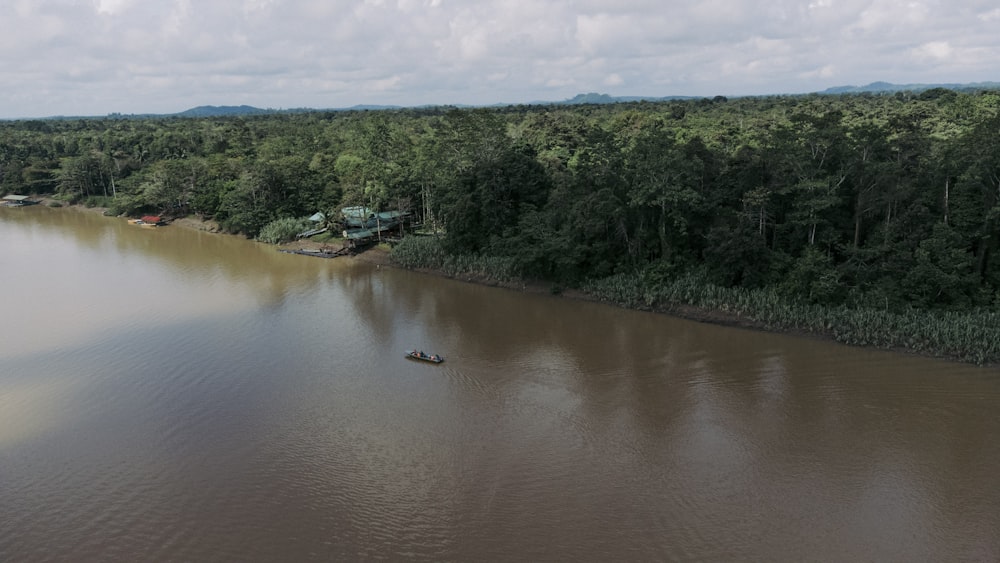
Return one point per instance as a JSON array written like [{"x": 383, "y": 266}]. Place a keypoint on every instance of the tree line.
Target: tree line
[{"x": 886, "y": 201}]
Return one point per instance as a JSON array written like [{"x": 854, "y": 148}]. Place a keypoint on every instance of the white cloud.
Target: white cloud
[
  {"x": 938, "y": 50},
  {"x": 602, "y": 31},
  {"x": 826, "y": 71},
  {"x": 251, "y": 6},
  {"x": 992, "y": 15},
  {"x": 389, "y": 83},
  {"x": 473, "y": 41},
  {"x": 613, "y": 79},
  {"x": 99, "y": 56},
  {"x": 111, "y": 6}
]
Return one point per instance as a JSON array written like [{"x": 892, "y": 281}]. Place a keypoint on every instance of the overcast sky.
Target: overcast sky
[{"x": 93, "y": 57}]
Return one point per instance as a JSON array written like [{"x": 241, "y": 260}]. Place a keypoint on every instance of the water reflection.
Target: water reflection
[
  {"x": 30, "y": 408},
  {"x": 800, "y": 423},
  {"x": 186, "y": 252},
  {"x": 214, "y": 397},
  {"x": 160, "y": 276}
]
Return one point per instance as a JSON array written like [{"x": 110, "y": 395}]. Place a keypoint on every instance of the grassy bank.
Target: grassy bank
[
  {"x": 968, "y": 336},
  {"x": 424, "y": 252}
]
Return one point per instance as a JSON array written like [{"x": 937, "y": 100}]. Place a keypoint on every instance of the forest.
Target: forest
[{"x": 872, "y": 218}]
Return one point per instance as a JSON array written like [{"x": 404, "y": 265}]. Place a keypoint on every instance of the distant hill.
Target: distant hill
[
  {"x": 579, "y": 99},
  {"x": 228, "y": 111},
  {"x": 595, "y": 98},
  {"x": 590, "y": 98},
  {"x": 219, "y": 111},
  {"x": 882, "y": 87},
  {"x": 369, "y": 108}
]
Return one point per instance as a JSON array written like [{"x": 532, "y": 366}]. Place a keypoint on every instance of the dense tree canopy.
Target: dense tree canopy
[{"x": 889, "y": 199}]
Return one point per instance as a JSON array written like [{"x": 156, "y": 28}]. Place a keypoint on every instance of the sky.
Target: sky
[{"x": 94, "y": 57}]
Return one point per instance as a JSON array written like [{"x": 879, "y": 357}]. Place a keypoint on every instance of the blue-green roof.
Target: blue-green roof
[{"x": 360, "y": 233}]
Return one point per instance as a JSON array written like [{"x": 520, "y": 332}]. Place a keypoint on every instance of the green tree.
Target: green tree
[{"x": 943, "y": 275}]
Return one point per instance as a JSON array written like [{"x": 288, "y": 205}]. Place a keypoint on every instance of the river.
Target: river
[{"x": 169, "y": 394}]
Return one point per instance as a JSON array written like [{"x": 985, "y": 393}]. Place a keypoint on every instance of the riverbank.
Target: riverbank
[
  {"x": 970, "y": 337},
  {"x": 381, "y": 255}
]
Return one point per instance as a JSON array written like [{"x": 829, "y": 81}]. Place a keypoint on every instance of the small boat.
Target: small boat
[
  {"x": 417, "y": 355},
  {"x": 16, "y": 201},
  {"x": 147, "y": 221}
]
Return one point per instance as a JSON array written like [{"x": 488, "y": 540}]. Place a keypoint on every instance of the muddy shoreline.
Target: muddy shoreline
[{"x": 380, "y": 255}]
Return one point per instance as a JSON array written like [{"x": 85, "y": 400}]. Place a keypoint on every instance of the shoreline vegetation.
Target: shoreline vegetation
[
  {"x": 967, "y": 337},
  {"x": 970, "y": 337},
  {"x": 869, "y": 219}
]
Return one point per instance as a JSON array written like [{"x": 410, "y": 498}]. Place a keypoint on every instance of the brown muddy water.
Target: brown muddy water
[{"x": 167, "y": 394}]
